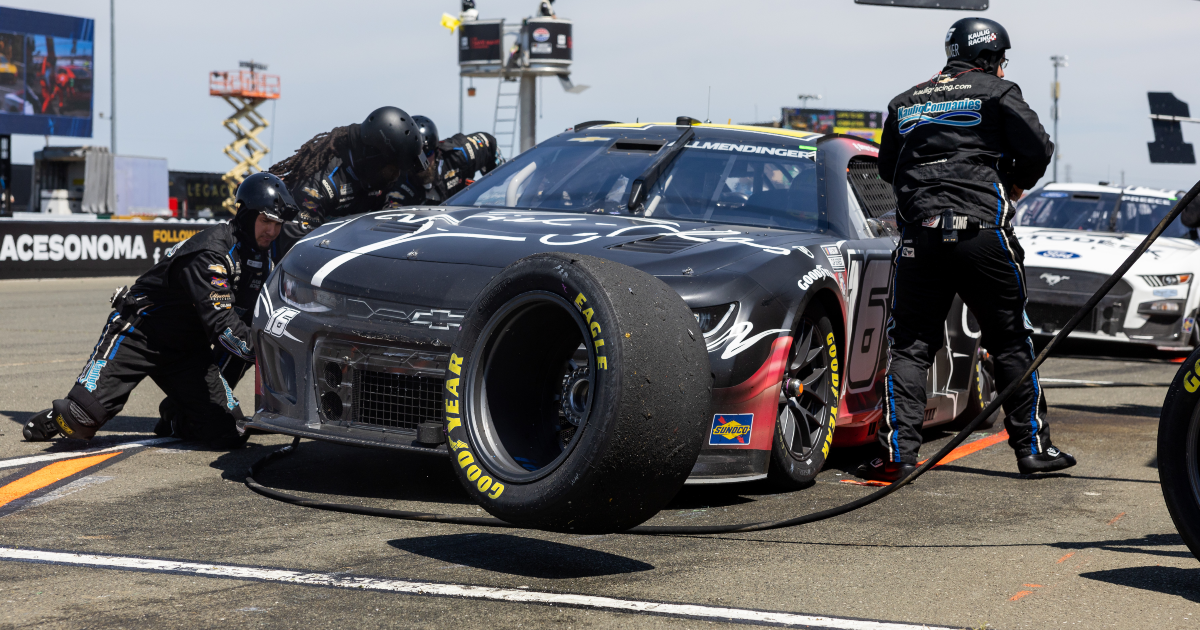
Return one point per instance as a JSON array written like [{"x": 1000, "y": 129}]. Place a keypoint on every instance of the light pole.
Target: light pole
[
  {"x": 112, "y": 56},
  {"x": 1059, "y": 61}
]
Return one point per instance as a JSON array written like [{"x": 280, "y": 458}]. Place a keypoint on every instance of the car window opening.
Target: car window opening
[{"x": 705, "y": 182}]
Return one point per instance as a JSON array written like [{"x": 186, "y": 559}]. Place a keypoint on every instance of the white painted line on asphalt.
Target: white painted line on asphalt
[
  {"x": 49, "y": 457},
  {"x": 71, "y": 488},
  {"x": 407, "y": 587}
]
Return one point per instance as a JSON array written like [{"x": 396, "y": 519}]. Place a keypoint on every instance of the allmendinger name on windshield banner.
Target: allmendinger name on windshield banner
[{"x": 68, "y": 249}]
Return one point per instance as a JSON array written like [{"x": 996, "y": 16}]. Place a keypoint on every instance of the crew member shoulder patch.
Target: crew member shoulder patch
[{"x": 218, "y": 269}]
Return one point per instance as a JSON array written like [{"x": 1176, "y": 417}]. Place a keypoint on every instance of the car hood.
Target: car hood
[
  {"x": 496, "y": 238},
  {"x": 1103, "y": 252}
]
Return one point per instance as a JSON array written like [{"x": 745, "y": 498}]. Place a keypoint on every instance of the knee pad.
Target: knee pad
[{"x": 73, "y": 421}]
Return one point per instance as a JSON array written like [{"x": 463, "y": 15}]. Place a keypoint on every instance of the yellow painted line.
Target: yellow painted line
[{"x": 47, "y": 475}]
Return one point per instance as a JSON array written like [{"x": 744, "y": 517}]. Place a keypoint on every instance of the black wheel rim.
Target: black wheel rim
[
  {"x": 530, "y": 387},
  {"x": 987, "y": 386},
  {"x": 803, "y": 417}
]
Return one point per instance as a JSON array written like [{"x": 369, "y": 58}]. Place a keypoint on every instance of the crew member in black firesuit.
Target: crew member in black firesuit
[
  {"x": 959, "y": 149},
  {"x": 348, "y": 170},
  {"x": 453, "y": 163},
  {"x": 166, "y": 325}
]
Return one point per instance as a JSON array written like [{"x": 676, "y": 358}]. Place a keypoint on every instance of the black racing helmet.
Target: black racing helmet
[
  {"x": 264, "y": 193},
  {"x": 391, "y": 138},
  {"x": 970, "y": 36},
  {"x": 429, "y": 134}
]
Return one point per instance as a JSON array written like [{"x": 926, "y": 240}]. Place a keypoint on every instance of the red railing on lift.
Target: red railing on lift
[{"x": 243, "y": 83}]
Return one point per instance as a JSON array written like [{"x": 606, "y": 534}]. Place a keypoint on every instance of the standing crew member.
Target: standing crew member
[
  {"x": 453, "y": 163},
  {"x": 958, "y": 149},
  {"x": 167, "y": 324},
  {"x": 348, "y": 170}
]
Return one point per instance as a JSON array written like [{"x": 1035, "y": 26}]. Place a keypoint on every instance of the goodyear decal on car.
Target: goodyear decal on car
[
  {"x": 835, "y": 387},
  {"x": 456, "y": 436},
  {"x": 596, "y": 330},
  {"x": 731, "y": 428}
]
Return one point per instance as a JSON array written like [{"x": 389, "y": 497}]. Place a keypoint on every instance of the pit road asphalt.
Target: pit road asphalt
[{"x": 971, "y": 544}]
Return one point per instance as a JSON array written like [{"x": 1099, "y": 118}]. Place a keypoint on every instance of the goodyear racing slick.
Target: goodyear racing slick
[
  {"x": 1075, "y": 236},
  {"x": 619, "y": 309}
]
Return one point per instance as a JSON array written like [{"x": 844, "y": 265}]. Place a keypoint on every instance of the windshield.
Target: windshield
[
  {"x": 768, "y": 184},
  {"x": 1100, "y": 212},
  {"x": 1139, "y": 215},
  {"x": 1069, "y": 211}
]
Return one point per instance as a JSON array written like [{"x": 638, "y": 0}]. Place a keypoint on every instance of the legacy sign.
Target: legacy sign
[{"x": 68, "y": 249}]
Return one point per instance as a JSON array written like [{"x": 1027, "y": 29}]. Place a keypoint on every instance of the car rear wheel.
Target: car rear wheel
[
  {"x": 578, "y": 395},
  {"x": 808, "y": 399},
  {"x": 1179, "y": 452}
]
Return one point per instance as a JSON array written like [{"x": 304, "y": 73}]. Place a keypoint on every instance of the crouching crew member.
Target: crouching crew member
[
  {"x": 348, "y": 170},
  {"x": 453, "y": 164},
  {"x": 959, "y": 149},
  {"x": 166, "y": 325}
]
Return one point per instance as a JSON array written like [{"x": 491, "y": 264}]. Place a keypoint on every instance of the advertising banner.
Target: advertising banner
[
  {"x": 479, "y": 42},
  {"x": 852, "y": 122},
  {"x": 46, "y": 73},
  {"x": 81, "y": 249}
]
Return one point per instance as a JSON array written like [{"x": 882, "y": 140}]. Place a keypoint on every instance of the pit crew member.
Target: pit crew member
[
  {"x": 166, "y": 325},
  {"x": 958, "y": 149},
  {"x": 453, "y": 165},
  {"x": 348, "y": 170}
]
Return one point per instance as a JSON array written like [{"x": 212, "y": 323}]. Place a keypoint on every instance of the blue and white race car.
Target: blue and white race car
[{"x": 1076, "y": 235}]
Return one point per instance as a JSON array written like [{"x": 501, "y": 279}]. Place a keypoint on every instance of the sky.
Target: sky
[{"x": 645, "y": 59}]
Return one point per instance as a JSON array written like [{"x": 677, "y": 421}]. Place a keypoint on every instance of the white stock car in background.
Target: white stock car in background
[{"x": 1076, "y": 235}]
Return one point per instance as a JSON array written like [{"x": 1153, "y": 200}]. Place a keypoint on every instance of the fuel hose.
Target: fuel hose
[{"x": 812, "y": 517}]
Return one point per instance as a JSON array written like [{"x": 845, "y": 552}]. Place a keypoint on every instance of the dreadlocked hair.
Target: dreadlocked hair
[{"x": 312, "y": 156}]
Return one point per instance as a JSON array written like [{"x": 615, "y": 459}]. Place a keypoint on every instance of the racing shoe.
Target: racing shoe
[
  {"x": 879, "y": 470},
  {"x": 41, "y": 427},
  {"x": 73, "y": 421},
  {"x": 1050, "y": 461},
  {"x": 167, "y": 412}
]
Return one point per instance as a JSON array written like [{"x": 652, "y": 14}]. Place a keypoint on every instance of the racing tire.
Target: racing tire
[
  {"x": 806, "y": 420},
  {"x": 981, "y": 391},
  {"x": 1179, "y": 452},
  {"x": 577, "y": 395}
]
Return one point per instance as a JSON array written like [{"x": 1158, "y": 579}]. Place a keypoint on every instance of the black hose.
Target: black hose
[{"x": 954, "y": 442}]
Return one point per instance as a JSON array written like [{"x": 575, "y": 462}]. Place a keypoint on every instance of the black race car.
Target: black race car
[{"x": 619, "y": 309}]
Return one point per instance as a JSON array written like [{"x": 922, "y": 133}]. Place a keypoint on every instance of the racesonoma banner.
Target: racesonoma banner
[{"x": 80, "y": 249}]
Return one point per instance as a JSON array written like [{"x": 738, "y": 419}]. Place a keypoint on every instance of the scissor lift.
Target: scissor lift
[{"x": 244, "y": 90}]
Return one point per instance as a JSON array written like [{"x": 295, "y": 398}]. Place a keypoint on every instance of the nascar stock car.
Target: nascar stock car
[
  {"x": 1076, "y": 235},
  {"x": 621, "y": 309}
]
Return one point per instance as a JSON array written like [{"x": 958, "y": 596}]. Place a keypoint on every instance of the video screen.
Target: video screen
[{"x": 46, "y": 73}]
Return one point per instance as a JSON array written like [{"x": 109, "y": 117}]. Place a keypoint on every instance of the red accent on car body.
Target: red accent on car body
[{"x": 758, "y": 395}]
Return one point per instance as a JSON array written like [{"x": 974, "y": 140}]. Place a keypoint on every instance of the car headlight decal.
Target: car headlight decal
[
  {"x": 304, "y": 296},
  {"x": 713, "y": 318},
  {"x": 1169, "y": 280}
]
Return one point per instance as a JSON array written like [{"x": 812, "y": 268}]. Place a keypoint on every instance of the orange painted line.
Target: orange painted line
[
  {"x": 1116, "y": 518},
  {"x": 1019, "y": 595},
  {"x": 1060, "y": 560},
  {"x": 958, "y": 453},
  {"x": 967, "y": 449},
  {"x": 47, "y": 475},
  {"x": 1033, "y": 585}
]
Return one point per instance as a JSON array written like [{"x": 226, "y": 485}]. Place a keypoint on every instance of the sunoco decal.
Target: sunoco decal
[{"x": 733, "y": 428}]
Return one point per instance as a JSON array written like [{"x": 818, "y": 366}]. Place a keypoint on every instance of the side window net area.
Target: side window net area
[{"x": 875, "y": 195}]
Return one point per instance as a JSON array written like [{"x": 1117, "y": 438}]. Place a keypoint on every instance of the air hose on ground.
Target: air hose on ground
[{"x": 813, "y": 517}]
